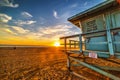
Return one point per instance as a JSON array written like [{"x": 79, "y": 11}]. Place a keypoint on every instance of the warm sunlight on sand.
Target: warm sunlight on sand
[{"x": 57, "y": 44}]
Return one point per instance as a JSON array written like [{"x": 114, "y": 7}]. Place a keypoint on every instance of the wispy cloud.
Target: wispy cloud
[
  {"x": 42, "y": 20},
  {"x": 55, "y": 14},
  {"x": 20, "y": 30},
  {"x": 6, "y": 29},
  {"x": 5, "y": 18},
  {"x": 54, "y": 29},
  {"x": 30, "y": 22},
  {"x": 9, "y": 31},
  {"x": 22, "y": 22},
  {"x": 74, "y": 5},
  {"x": 26, "y": 19},
  {"x": 8, "y": 3},
  {"x": 85, "y": 3},
  {"x": 17, "y": 33},
  {"x": 26, "y": 14},
  {"x": 55, "y": 32}
]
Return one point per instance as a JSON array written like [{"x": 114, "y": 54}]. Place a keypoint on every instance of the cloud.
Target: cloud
[
  {"x": 21, "y": 22},
  {"x": 26, "y": 14},
  {"x": 26, "y": 33},
  {"x": 57, "y": 31},
  {"x": 85, "y": 3},
  {"x": 20, "y": 29},
  {"x": 5, "y": 18},
  {"x": 9, "y": 31},
  {"x": 26, "y": 21},
  {"x": 30, "y": 22},
  {"x": 8, "y": 3},
  {"x": 55, "y": 14},
  {"x": 13, "y": 29},
  {"x": 42, "y": 34},
  {"x": 74, "y": 5},
  {"x": 6, "y": 29},
  {"x": 42, "y": 20},
  {"x": 54, "y": 29},
  {"x": 34, "y": 35}
]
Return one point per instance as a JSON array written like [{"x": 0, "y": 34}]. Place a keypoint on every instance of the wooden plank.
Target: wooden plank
[
  {"x": 108, "y": 67},
  {"x": 96, "y": 69},
  {"x": 70, "y": 36},
  {"x": 80, "y": 76},
  {"x": 101, "y": 67}
]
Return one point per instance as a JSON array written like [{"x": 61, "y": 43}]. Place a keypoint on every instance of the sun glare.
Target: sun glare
[{"x": 57, "y": 44}]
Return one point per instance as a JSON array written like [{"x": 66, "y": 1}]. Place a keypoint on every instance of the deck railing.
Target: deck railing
[{"x": 72, "y": 46}]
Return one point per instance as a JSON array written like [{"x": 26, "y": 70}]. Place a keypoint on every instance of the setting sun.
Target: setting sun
[{"x": 57, "y": 44}]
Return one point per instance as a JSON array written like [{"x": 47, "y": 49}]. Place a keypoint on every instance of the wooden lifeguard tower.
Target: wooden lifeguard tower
[{"x": 100, "y": 38}]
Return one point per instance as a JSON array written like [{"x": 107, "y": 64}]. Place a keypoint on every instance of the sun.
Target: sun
[{"x": 57, "y": 44}]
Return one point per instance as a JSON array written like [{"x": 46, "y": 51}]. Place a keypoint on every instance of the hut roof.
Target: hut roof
[{"x": 99, "y": 7}]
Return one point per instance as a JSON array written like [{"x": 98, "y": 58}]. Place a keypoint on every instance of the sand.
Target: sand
[{"x": 34, "y": 63}]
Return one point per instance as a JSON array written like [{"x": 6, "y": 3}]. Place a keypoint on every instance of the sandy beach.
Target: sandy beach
[
  {"x": 47, "y": 63},
  {"x": 32, "y": 63}
]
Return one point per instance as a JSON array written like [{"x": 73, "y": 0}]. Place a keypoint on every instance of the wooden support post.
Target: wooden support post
[
  {"x": 109, "y": 37},
  {"x": 80, "y": 42},
  {"x": 68, "y": 59},
  {"x": 74, "y": 44},
  {"x": 65, "y": 42},
  {"x": 70, "y": 44}
]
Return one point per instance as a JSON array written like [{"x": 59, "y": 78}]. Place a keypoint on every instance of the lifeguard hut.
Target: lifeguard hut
[{"x": 100, "y": 37}]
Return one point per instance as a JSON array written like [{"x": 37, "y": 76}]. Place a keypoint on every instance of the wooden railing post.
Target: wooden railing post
[
  {"x": 80, "y": 42},
  {"x": 65, "y": 46},
  {"x": 74, "y": 44},
  {"x": 70, "y": 44}
]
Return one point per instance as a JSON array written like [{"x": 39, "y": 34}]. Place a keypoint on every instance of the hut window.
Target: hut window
[{"x": 91, "y": 26}]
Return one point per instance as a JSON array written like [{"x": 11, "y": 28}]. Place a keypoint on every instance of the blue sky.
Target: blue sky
[{"x": 32, "y": 22}]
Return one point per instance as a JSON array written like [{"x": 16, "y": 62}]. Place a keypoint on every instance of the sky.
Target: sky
[{"x": 39, "y": 22}]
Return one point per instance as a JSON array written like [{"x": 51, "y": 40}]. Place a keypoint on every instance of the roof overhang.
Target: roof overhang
[{"x": 97, "y": 8}]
